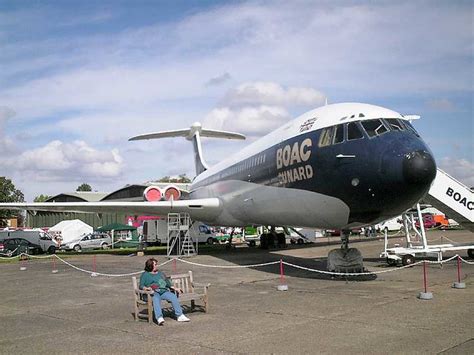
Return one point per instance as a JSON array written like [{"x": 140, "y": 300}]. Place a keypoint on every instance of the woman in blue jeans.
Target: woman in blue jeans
[{"x": 155, "y": 280}]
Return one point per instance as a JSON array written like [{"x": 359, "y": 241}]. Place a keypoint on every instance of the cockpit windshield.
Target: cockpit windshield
[{"x": 374, "y": 127}]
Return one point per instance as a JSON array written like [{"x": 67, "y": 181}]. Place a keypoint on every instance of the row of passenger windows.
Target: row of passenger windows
[
  {"x": 247, "y": 164},
  {"x": 354, "y": 130}
]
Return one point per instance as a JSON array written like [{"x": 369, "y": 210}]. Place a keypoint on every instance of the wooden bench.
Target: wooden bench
[{"x": 192, "y": 291}]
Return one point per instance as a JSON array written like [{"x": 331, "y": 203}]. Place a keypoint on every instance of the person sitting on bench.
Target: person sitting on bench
[{"x": 155, "y": 280}]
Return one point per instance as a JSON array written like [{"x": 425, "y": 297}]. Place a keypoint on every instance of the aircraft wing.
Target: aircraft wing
[{"x": 200, "y": 209}]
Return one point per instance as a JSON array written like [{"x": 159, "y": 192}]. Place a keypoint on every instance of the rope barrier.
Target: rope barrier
[
  {"x": 246, "y": 266},
  {"x": 227, "y": 266}
]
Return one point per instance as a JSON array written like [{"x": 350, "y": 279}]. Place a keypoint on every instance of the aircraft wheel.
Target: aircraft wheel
[
  {"x": 408, "y": 259},
  {"x": 470, "y": 253}
]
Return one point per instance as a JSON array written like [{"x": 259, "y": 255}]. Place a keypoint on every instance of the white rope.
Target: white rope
[
  {"x": 226, "y": 266},
  {"x": 350, "y": 273},
  {"x": 465, "y": 261},
  {"x": 103, "y": 274}
]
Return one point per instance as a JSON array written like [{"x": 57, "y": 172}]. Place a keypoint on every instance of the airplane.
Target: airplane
[{"x": 339, "y": 166}]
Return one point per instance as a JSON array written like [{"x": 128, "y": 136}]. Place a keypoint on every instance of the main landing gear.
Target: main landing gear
[{"x": 345, "y": 259}]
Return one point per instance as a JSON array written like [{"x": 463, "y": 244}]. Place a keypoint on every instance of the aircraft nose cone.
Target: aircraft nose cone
[{"x": 419, "y": 167}]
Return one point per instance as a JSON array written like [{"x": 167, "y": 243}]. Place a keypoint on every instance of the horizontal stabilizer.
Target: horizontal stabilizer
[
  {"x": 189, "y": 133},
  {"x": 194, "y": 134}
]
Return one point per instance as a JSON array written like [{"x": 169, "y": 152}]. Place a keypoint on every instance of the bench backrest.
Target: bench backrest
[{"x": 183, "y": 281}]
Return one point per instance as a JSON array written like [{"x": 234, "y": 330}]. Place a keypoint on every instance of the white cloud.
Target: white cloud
[
  {"x": 252, "y": 121},
  {"x": 441, "y": 104},
  {"x": 7, "y": 146},
  {"x": 74, "y": 161},
  {"x": 271, "y": 93},
  {"x": 256, "y": 108},
  {"x": 461, "y": 169}
]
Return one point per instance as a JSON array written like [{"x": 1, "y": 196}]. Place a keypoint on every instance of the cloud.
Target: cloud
[
  {"x": 219, "y": 80},
  {"x": 252, "y": 121},
  {"x": 441, "y": 105},
  {"x": 256, "y": 108},
  {"x": 73, "y": 161},
  {"x": 6, "y": 144},
  {"x": 461, "y": 169},
  {"x": 271, "y": 93}
]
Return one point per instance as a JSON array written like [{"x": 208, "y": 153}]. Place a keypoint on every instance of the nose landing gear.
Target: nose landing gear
[{"x": 345, "y": 259}]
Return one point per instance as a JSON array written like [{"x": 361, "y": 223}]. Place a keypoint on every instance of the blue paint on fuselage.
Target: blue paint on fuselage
[{"x": 371, "y": 179}]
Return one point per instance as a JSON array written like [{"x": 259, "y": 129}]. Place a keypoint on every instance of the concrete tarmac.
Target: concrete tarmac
[{"x": 71, "y": 312}]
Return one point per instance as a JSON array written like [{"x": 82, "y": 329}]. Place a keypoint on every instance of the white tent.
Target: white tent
[{"x": 71, "y": 229}]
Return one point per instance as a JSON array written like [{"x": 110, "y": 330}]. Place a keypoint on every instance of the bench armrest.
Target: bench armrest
[
  {"x": 143, "y": 292},
  {"x": 198, "y": 284}
]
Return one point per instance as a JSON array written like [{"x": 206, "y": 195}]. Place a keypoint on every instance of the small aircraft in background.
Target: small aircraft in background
[{"x": 339, "y": 166}]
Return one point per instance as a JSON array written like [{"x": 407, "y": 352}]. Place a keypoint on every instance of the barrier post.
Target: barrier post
[
  {"x": 23, "y": 262},
  {"x": 94, "y": 266},
  {"x": 459, "y": 284},
  {"x": 282, "y": 286},
  {"x": 425, "y": 295},
  {"x": 54, "y": 270}
]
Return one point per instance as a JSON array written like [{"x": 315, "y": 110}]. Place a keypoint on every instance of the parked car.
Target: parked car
[
  {"x": 2, "y": 247},
  {"x": 428, "y": 221},
  {"x": 337, "y": 232},
  {"x": 16, "y": 246},
  {"x": 34, "y": 236},
  {"x": 89, "y": 241},
  {"x": 390, "y": 225}
]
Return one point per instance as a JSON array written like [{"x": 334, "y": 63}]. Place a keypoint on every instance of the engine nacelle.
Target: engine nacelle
[
  {"x": 153, "y": 193},
  {"x": 172, "y": 193}
]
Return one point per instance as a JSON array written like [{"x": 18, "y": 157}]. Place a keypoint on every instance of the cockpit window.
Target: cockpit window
[
  {"x": 395, "y": 125},
  {"x": 409, "y": 126},
  {"x": 326, "y": 137},
  {"x": 353, "y": 131},
  {"x": 374, "y": 127},
  {"x": 339, "y": 136}
]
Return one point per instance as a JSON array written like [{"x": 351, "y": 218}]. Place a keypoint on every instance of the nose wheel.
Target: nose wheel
[{"x": 345, "y": 259}]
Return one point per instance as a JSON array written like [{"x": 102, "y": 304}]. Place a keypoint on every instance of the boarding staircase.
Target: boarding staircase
[
  {"x": 453, "y": 198},
  {"x": 179, "y": 242}
]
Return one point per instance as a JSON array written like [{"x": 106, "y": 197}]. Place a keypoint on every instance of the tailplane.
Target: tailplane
[{"x": 194, "y": 134}]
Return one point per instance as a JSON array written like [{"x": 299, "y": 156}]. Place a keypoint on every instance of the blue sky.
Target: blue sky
[{"x": 78, "y": 78}]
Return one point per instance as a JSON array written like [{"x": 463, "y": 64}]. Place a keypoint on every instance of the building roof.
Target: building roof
[{"x": 78, "y": 196}]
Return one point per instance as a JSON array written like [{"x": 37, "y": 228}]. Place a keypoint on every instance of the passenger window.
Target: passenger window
[
  {"x": 326, "y": 137},
  {"x": 394, "y": 124},
  {"x": 339, "y": 136},
  {"x": 353, "y": 131},
  {"x": 374, "y": 127}
]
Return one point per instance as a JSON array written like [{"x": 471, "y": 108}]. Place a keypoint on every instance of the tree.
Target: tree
[
  {"x": 181, "y": 179},
  {"x": 8, "y": 193},
  {"x": 41, "y": 198},
  {"x": 84, "y": 187}
]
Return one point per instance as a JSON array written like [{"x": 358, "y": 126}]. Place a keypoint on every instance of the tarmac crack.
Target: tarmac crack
[{"x": 457, "y": 346}]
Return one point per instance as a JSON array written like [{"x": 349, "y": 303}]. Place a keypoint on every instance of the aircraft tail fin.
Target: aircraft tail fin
[{"x": 194, "y": 134}]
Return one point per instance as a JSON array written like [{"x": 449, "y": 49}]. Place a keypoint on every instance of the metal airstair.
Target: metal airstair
[
  {"x": 450, "y": 197},
  {"x": 179, "y": 242},
  {"x": 453, "y": 198}
]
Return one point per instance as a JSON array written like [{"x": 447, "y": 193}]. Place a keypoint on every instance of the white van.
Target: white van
[
  {"x": 155, "y": 232},
  {"x": 35, "y": 236},
  {"x": 391, "y": 225}
]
